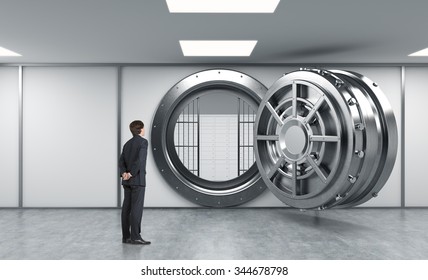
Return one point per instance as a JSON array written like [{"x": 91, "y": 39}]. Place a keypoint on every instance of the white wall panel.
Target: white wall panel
[
  {"x": 416, "y": 100},
  {"x": 389, "y": 80},
  {"x": 9, "y": 134},
  {"x": 70, "y": 136}
]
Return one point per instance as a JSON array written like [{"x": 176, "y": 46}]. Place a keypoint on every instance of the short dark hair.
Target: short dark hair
[{"x": 136, "y": 127}]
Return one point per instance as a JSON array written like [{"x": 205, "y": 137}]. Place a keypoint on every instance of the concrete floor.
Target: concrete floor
[{"x": 217, "y": 234}]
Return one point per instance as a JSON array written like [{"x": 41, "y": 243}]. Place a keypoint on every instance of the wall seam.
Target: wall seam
[
  {"x": 403, "y": 136},
  {"x": 21, "y": 135},
  {"x": 119, "y": 130}
]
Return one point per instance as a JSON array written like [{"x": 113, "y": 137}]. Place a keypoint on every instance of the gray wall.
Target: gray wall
[
  {"x": 9, "y": 143},
  {"x": 389, "y": 79},
  {"x": 71, "y": 113},
  {"x": 416, "y": 90},
  {"x": 70, "y": 137}
]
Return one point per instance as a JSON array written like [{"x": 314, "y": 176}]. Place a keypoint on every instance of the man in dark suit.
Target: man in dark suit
[{"x": 132, "y": 165}]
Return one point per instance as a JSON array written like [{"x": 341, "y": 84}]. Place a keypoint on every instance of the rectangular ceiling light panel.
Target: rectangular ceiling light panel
[
  {"x": 222, "y": 6},
  {"x": 217, "y": 48},
  {"x": 423, "y": 52},
  {"x": 6, "y": 52}
]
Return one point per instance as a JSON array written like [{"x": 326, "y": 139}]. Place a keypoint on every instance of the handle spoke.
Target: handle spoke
[
  {"x": 324, "y": 138},
  {"x": 317, "y": 169},
  {"x": 275, "y": 168},
  {"x": 294, "y": 103},
  {"x": 314, "y": 110},
  {"x": 295, "y": 184},
  {"x": 268, "y": 137},
  {"x": 274, "y": 113}
]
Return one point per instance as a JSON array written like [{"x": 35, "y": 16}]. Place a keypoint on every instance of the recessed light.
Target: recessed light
[
  {"x": 222, "y": 6},
  {"x": 6, "y": 52},
  {"x": 423, "y": 52},
  {"x": 217, "y": 48}
]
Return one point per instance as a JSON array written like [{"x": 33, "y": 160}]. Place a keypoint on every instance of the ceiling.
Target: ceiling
[{"x": 143, "y": 31}]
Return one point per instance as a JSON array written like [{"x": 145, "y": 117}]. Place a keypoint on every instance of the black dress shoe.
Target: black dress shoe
[
  {"x": 127, "y": 240},
  {"x": 140, "y": 242}
]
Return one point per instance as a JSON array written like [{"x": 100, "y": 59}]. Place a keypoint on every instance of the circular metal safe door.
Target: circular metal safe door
[{"x": 324, "y": 139}]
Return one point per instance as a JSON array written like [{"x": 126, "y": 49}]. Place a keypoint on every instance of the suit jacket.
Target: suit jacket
[{"x": 133, "y": 160}]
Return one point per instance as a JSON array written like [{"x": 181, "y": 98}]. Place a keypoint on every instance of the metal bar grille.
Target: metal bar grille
[
  {"x": 186, "y": 137},
  {"x": 246, "y": 119}
]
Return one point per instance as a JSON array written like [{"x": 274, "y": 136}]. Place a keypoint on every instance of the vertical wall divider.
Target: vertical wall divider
[
  {"x": 403, "y": 136},
  {"x": 119, "y": 131},
  {"x": 21, "y": 135}
]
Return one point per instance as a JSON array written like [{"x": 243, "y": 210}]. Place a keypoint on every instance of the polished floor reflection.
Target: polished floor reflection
[{"x": 277, "y": 233}]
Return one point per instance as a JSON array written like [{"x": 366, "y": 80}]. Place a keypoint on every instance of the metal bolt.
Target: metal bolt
[
  {"x": 338, "y": 197},
  {"x": 162, "y": 170},
  {"x": 374, "y": 84},
  {"x": 315, "y": 155},
  {"x": 352, "y": 179},
  {"x": 338, "y": 83},
  {"x": 154, "y": 149},
  {"x": 359, "y": 126},
  {"x": 352, "y": 101},
  {"x": 374, "y": 194},
  {"x": 360, "y": 154}
]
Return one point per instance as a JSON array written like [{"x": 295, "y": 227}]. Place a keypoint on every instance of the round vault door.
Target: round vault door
[
  {"x": 319, "y": 138},
  {"x": 202, "y": 137},
  {"x": 325, "y": 138}
]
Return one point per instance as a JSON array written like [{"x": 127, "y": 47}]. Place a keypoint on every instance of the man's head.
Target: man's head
[{"x": 137, "y": 128}]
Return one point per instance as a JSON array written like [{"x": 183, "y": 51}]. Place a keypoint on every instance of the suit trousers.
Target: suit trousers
[{"x": 132, "y": 211}]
